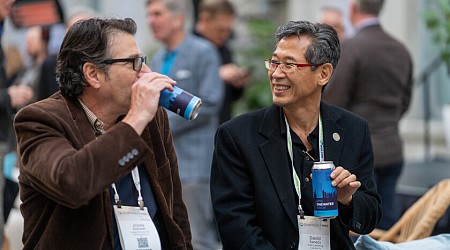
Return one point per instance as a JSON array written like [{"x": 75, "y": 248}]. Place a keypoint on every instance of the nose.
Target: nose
[
  {"x": 144, "y": 69},
  {"x": 278, "y": 73}
]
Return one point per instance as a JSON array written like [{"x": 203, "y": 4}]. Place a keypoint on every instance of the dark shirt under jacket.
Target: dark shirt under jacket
[{"x": 128, "y": 197}]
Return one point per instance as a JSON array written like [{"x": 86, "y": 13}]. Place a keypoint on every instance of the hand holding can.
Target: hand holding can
[{"x": 180, "y": 102}]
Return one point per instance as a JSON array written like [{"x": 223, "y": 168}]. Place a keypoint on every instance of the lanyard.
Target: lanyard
[
  {"x": 291, "y": 155},
  {"x": 137, "y": 184}
]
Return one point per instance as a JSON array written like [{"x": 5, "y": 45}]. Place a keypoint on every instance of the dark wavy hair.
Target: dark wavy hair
[
  {"x": 325, "y": 46},
  {"x": 87, "y": 41}
]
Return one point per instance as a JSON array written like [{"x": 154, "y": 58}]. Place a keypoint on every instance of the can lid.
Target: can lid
[
  {"x": 323, "y": 165},
  {"x": 196, "y": 109}
]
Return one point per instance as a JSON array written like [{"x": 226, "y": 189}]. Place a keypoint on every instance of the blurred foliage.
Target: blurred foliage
[
  {"x": 437, "y": 19},
  {"x": 257, "y": 94}
]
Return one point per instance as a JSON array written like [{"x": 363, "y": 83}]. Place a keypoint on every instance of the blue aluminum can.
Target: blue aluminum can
[
  {"x": 324, "y": 194},
  {"x": 180, "y": 102}
]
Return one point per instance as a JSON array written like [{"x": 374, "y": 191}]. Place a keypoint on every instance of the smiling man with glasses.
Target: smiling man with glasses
[
  {"x": 99, "y": 149},
  {"x": 261, "y": 182}
]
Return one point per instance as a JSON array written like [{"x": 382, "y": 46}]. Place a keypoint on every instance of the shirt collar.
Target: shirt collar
[
  {"x": 367, "y": 22},
  {"x": 95, "y": 122}
]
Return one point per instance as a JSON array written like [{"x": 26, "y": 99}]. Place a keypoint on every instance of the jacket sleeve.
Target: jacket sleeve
[
  {"x": 233, "y": 198},
  {"x": 366, "y": 203},
  {"x": 56, "y": 161}
]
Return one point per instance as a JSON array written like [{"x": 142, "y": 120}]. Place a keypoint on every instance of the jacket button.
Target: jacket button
[
  {"x": 130, "y": 155},
  {"x": 292, "y": 245}
]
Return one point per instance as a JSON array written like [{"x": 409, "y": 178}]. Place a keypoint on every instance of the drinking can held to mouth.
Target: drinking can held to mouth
[
  {"x": 324, "y": 194},
  {"x": 180, "y": 102}
]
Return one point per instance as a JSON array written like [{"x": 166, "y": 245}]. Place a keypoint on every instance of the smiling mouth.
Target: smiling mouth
[{"x": 281, "y": 87}]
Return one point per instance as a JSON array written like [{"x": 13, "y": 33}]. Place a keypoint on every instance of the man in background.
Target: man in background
[
  {"x": 10, "y": 97},
  {"x": 333, "y": 17},
  {"x": 193, "y": 63},
  {"x": 215, "y": 23},
  {"x": 374, "y": 79}
]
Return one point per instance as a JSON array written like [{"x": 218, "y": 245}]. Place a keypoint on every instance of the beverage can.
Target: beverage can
[
  {"x": 324, "y": 194},
  {"x": 180, "y": 102}
]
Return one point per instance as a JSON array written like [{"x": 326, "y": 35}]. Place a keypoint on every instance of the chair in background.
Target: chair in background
[{"x": 420, "y": 219}]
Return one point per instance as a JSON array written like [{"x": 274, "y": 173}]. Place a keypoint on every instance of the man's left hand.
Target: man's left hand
[{"x": 346, "y": 185}]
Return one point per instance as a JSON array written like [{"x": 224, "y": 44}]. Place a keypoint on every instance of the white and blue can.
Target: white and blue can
[
  {"x": 180, "y": 102},
  {"x": 324, "y": 194}
]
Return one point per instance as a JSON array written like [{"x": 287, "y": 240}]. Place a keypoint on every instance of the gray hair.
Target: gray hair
[
  {"x": 175, "y": 6},
  {"x": 324, "y": 48}
]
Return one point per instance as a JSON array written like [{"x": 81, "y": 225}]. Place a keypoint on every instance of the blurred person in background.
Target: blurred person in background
[
  {"x": 36, "y": 47},
  {"x": 193, "y": 63},
  {"x": 36, "y": 43},
  {"x": 333, "y": 17},
  {"x": 215, "y": 23},
  {"x": 100, "y": 148},
  {"x": 10, "y": 97},
  {"x": 374, "y": 79}
]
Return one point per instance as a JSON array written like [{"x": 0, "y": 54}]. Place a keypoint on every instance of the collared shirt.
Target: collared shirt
[
  {"x": 303, "y": 159},
  {"x": 125, "y": 185},
  {"x": 367, "y": 22},
  {"x": 169, "y": 59}
]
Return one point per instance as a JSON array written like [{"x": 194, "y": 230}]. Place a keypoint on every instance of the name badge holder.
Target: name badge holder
[
  {"x": 314, "y": 232},
  {"x": 136, "y": 228}
]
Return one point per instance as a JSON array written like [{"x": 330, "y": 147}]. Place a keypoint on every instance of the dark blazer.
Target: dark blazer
[
  {"x": 251, "y": 180},
  {"x": 65, "y": 174},
  {"x": 374, "y": 79}
]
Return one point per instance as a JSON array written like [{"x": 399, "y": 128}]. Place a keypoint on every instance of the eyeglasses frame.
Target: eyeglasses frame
[
  {"x": 143, "y": 60},
  {"x": 267, "y": 63}
]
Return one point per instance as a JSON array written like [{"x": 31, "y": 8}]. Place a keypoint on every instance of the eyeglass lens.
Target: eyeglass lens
[
  {"x": 138, "y": 61},
  {"x": 272, "y": 65}
]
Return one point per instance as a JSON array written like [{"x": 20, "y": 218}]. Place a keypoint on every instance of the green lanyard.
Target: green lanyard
[{"x": 291, "y": 155}]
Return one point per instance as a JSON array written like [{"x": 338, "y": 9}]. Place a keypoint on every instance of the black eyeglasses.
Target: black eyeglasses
[
  {"x": 285, "y": 67},
  {"x": 137, "y": 61}
]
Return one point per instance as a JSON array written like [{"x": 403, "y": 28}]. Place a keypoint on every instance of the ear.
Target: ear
[
  {"x": 91, "y": 74},
  {"x": 324, "y": 73},
  {"x": 179, "y": 20},
  {"x": 203, "y": 16}
]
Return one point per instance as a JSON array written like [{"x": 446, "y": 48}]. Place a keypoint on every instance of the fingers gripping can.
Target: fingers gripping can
[
  {"x": 324, "y": 194},
  {"x": 180, "y": 102}
]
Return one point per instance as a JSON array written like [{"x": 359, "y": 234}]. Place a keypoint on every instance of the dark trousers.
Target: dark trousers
[{"x": 386, "y": 178}]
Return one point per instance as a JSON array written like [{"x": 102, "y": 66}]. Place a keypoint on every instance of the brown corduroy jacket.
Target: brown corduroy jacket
[{"x": 65, "y": 174}]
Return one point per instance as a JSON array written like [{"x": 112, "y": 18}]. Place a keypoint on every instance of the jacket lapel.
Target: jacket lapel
[
  {"x": 277, "y": 162},
  {"x": 83, "y": 126},
  {"x": 150, "y": 159},
  {"x": 333, "y": 134}
]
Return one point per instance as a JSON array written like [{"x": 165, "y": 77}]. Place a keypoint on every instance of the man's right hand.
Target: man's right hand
[{"x": 145, "y": 94}]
